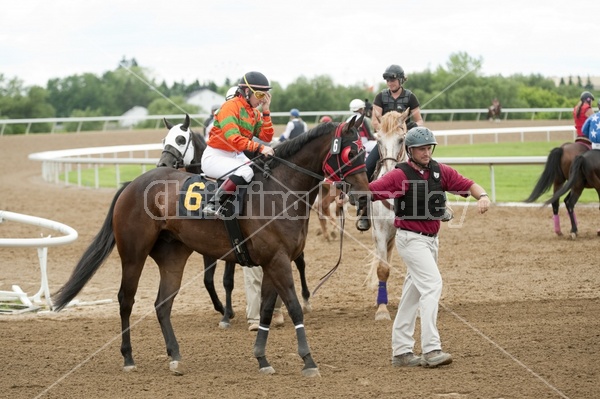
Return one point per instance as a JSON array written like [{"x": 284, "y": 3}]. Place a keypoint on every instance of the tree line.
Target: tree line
[{"x": 455, "y": 85}]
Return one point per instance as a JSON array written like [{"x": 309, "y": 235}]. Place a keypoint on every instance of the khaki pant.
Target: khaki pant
[
  {"x": 252, "y": 282},
  {"x": 421, "y": 293}
]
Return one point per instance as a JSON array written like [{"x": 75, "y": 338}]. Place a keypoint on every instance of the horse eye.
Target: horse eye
[{"x": 180, "y": 140}]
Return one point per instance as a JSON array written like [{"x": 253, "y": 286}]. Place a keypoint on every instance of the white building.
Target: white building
[
  {"x": 136, "y": 115},
  {"x": 205, "y": 99}
]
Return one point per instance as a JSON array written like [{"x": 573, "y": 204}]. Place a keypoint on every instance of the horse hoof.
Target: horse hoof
[
  {"x": 312, "y": 372},
  {"x": 573, "y": 236},
  {"x": 224, "y": 325},
  {"x": 307, "y": 307},
  {"x": 176, "y": 367},
  {"x": 382, "y": 316},
  {"x": 129, "y": 369},
  {"x": 267, "y": 370}
]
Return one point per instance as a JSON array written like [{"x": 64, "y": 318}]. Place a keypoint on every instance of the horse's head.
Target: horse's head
[
  {"x": 391, "y": 138},
  {"x": 177, "y": 148},
  {"x": 346, "y": 159}
]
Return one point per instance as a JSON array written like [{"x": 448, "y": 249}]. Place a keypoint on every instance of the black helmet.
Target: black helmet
[
  {"x": 587, "y": 96},
  {"x": 255, "y": 80},
  {"x": 394, "y": 72}
]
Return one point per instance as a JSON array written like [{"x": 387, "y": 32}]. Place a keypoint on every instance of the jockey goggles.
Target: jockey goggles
[{"x": 257, "y": 93}]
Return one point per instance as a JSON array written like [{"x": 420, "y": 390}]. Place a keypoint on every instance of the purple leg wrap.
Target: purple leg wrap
[{"x": 382, "y": 293}]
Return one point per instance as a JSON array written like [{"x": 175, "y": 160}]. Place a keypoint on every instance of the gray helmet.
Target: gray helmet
[
  {"x": 587, "y": 96},
  {"x": 394, "y": 72},
  {"x": 418, "y": 137}
]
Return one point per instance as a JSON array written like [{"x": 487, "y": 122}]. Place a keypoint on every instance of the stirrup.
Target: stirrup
[{"x": 212, "y": 210}]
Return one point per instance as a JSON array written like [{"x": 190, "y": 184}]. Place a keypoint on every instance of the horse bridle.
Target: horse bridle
[{"x": 180, "y": 158}]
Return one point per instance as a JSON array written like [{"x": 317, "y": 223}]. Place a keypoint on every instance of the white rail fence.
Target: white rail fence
[
  {"x": 113, "y": 122},
  {"x": 31, "y": 303},
  {"x": 58, "y": 166}
]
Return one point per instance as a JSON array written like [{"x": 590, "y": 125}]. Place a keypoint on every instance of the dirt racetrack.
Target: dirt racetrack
[{"x": 519, "y": 310}]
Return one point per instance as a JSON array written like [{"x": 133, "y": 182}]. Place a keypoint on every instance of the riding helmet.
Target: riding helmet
[
  {"x": 231, "y": 93},
  {"x": 419, "y": 136},
  {"x": 587, "y": 96},
  {"x": 394, "y": 72},
  {"x": 256, "y": 80},
  {"x": 294, "y": 112},
  {"x": 356, "y": 104}
]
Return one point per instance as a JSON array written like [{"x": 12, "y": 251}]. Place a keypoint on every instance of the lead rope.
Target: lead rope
[{"x": 329, "y": 273}]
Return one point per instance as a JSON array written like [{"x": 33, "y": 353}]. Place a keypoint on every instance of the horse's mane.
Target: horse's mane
[
  {"x": 291, "y": 147},
  {"x": 389, "y": 123}
]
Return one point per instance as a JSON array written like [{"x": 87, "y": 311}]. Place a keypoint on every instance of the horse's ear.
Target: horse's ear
[
  {"x": 359, "y": 122},
  {"x": 406, "y": 114},
  {"x": 167, "y": 124},
  {"x": 353, "y": 122},
  {"x": 186, "y": 124}
]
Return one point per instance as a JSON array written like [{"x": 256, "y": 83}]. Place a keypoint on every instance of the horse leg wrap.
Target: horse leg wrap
[
  {"x": 382, "y": 293},
  {"x": 303, "y": 348},
  {"x": 261, "y": 343},
  {"x": 556, "y": 223}
]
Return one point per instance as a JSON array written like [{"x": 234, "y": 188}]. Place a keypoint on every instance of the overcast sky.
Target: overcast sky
[{"x": 351, "y": 41}]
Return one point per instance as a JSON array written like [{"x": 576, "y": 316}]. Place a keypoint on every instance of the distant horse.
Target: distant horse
[
  {"x": 322, "y": 206},
  {"x": 390, "y": 142},
  {"x": 584, "y": 173},
  {"x": 145, "y": 219},
  {"x": 184, "y": 148},
  {"x": 556, "y": 173},
  {"x": 494, "y": 110}
]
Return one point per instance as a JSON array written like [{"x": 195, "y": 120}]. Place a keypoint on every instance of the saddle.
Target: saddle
[
  {"x": 196, "y": 191},
  {"x": 584, "y": 141}
]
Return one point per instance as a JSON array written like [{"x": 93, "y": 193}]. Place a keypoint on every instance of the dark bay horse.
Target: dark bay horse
[
  {"x": 584, "y": 173},
  {"x": 144, "y": 220},
  {"x": 183, "y": 148},
  {"x": 556, "y": 173}
]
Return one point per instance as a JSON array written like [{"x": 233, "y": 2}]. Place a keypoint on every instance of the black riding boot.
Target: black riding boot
[{"x": 225, "y": 190}]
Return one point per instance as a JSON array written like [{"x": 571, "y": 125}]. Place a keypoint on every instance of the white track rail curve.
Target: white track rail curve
[{"x": 68, "y": 236}]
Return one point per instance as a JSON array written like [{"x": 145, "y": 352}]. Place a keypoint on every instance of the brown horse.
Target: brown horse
[
  {"x": 584, "y": 173},
  {"x": 183, "y": 148},
  {"x": 322, "y": 206},
  {"x": 145, "y": 219},
  {"x": 556, "y": 173}
]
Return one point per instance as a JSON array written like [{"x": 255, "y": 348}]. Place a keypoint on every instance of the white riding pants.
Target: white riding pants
[
  {"x": 219, "y": 164},
  {"x": 420, "y": 294}
]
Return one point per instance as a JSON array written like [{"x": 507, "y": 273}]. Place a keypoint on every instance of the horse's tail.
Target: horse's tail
[
  {"x": 91, "y": 260},
  {"x": 575, "y": 173},
  {"x": 551, "y": 170}
]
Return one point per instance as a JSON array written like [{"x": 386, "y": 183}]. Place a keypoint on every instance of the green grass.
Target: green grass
[
  {"x": 514, "y": 183},
  {"x": 107, "y": 175}
]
